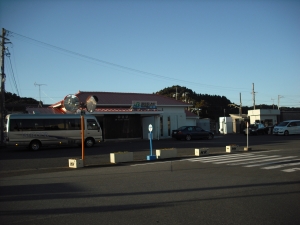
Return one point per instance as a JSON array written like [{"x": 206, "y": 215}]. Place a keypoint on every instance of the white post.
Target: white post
[
  {"x": 247, "y": 148},
  {"x": 247, "y": 134}
]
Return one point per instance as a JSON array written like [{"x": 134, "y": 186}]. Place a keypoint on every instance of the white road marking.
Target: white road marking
[
  {"x": 247, "y": 159},
  {"x": 260, "y": 159},
  {"x": 291, "y": 170},
  {"x": 279, "y": 161},
  {"x": 281, "y": 165}
]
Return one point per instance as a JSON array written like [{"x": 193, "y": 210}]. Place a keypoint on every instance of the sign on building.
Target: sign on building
[{"x": 144, "y": 105}]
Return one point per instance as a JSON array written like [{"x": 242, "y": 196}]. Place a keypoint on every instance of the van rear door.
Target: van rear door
[
  {"x": 298, "y": 127},
  {"x": 293, "y": 128}
]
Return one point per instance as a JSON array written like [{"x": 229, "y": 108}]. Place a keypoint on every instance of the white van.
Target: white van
[{"x": 287, "y": 127}]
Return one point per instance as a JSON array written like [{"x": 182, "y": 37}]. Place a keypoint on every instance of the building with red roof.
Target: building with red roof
[{"x": 128, "y": 115}]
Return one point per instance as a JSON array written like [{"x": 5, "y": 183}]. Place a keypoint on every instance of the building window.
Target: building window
[
  {"x": 169, "y": 126},
  {"x": 161, "y": 127}
]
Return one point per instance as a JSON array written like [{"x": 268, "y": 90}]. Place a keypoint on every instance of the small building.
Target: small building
[
  {"x": 128, "y": 115},
  {"x": 239, "y": 122},
  {"x": 268, "y": 117},
  {"x": 225, "y": 124}
]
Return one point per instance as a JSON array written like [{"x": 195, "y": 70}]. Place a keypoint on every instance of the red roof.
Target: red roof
[
  {"x": 190, "y": 114},
  {"x": 33, "y": 110},
  {"x": 108, "y": 100},
  {"x": 125, "y": 99}
]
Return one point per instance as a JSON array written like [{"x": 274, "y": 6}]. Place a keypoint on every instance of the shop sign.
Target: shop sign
[{"x": 144, "y": 105}]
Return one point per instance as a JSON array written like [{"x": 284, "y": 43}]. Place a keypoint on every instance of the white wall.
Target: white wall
[
  {"x": 204, "y": 123},
  {"x": 191, "y": 122},
  {"x": 145, "y": 122},
  {"x": 263, "y": 114},
  {"x": 177, "y": 119},
  {"x": 226, "y": 125}
]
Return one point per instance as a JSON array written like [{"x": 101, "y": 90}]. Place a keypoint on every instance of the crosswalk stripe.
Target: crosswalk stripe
[
  {"x": 291, "y": 170},
  {"x": 227, "y": 160},
  {"x": 274, "y": 150},
  {"x": 281, "y": 165},
  {"x": 240, "y": 160},
  {"x": 219, "y": 158},
  {"x": 273, "y": 162},
  {"x": 252, "y": 160},
  {"x": 248, "y": 159},
  {"x": 261, "y": 159}
]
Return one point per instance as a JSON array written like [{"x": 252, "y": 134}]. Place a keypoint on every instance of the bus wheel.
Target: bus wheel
[
  {"x": 34, "y": 145},
  {"x": 89, "y": 142}
]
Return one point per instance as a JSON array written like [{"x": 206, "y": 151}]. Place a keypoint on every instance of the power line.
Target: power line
[
  {"x": 13, "y": 75},
  {"x": 123, "y": 67}
]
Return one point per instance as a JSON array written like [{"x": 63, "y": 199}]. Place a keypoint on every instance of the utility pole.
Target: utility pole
[
  {"x": 40, "y": 102},
  {"x": 175, "y": 95},
  {"x": 279, "y": 96},
  {"x": 184, "y": 95},
  {"x": 2, "y": 104},
  {"x": 240, "y": 110},
  {"x": 253, "y": 95}
]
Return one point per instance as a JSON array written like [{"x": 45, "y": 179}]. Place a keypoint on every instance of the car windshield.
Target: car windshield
[
  {"x": 253, "y": 126},
  {"x": 182, "y": 128},
  {"x": 282, "y": 124}
]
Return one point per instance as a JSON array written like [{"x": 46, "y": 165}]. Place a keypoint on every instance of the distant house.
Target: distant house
[
  {"x": 268, "y": 117},
  {"x": 128, "y": 115}
]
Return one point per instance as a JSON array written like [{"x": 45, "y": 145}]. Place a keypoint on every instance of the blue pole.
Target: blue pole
[{"x": 150, "y": 143}]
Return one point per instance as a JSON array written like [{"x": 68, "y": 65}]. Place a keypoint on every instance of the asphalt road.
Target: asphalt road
[
  {"x": 20, "y": 160},
  {"x": 256, "y": 187}
]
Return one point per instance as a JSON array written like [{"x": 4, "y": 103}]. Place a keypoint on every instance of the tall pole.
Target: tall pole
[
  {"x": 253, "y": 95},
  {"x": 82, "y": 134},
  {"x": 224, "y": 123},
  {"x": 40, "y": 102},
  {"x": 240, "y": 110},
  {"x": 2, "y": 104},
  {"x": 279, "y": 96}
]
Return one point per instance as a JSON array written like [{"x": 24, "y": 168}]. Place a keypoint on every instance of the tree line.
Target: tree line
[
  {"x": 203, "y": 105},
  {"x": 210, "y": 106}
]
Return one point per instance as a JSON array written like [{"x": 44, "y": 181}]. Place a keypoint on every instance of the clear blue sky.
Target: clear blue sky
[{"x": 212, "y": 47}]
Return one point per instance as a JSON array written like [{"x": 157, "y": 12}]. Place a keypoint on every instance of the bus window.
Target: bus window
[
  {"x": 54, "y": 124},
  {"x": 92, "y": 125},
  {"x": 73, "y": 124}
]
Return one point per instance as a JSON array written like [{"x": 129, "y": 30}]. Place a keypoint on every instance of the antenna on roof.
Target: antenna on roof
[{"x": 40, "y": 102}]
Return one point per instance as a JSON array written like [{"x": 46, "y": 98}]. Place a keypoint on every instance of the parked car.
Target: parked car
[
  {"x": 255, "y": 129},
  {"x": 287, "y": 127},
  {"x": 191, "y": 132}
]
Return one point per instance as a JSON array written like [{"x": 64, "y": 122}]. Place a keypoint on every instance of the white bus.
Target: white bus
[{"x": 37, "y": 130}]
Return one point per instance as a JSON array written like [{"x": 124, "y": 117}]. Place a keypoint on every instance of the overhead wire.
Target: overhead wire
[
  {"x": 16, "y": 71},
  {"x": 13, "y": 76},
  {"x": 124, "y": 67}
]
